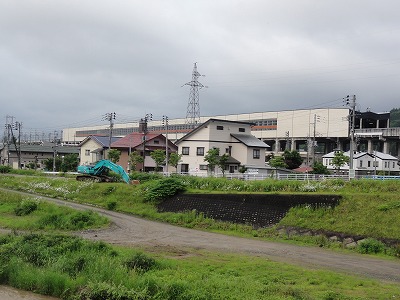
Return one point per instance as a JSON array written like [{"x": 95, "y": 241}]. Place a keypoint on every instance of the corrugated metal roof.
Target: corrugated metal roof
[
  {"x": 250, "y": 140},
  {"x": 47, "y": 149}
]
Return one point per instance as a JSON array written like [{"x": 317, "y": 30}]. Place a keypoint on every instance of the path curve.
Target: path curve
[{"x": 134, "y": 231}]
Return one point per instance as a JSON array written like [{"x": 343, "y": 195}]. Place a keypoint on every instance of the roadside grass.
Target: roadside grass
[
  {"x": 72, "y": 268},
  {"x": 20, "y": 212},
  {"x": 369, "y": 208},
  {"x": 371, "y": 214}
]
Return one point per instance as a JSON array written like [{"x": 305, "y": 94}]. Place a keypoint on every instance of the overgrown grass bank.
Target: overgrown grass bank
[
  {"x": 368, "y": 207},
  {"x": 73, "y": 268},
  {"x": 30, "y": 213}
]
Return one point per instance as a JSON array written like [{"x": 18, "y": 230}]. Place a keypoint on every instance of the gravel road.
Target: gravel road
[{"x": 134, "y": 231}]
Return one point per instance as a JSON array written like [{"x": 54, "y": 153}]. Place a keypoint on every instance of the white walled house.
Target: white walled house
[
  {"x": 231, "y": 137},
  {"x": 94, "y": 148},
  {"x": 366, "y": 163}
]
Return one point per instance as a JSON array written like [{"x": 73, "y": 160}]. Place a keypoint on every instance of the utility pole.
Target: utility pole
[
  {"x": 193, "y": 109},
  {"x": 143, "y": 129},
  {"x": 314, "y": 144},
  {"x": 287, "y": 135},
  {"x": 351, "y": 101},
  {"x": 17, "y": 126},
  {"x": 110, "y": 117},
  {"x": 165, "y": 124},
  {"x": 9, "y": 121}
]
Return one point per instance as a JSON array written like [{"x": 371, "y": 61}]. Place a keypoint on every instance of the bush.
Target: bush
[
  {"x": 141, "y": 262},
  {"x": 371, "y": 246},
  {"x": 111, "y": 205},
  {"x": 5, "y": 169},
  {"x": 164, "y": 188},
  {"x": 25, "y": 208}
]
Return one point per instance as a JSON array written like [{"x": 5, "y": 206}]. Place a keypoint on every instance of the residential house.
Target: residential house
[
  {"x": 34, "y": 154},
  {"x": 231, "y": 137},
  {"x": 141, "y": 142},
  {"x": 94, "y": 148},
  {"x": 366, "y": 163}
]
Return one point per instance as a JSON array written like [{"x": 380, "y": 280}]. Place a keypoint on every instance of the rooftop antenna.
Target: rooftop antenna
[{"x": 193, "y": 108}]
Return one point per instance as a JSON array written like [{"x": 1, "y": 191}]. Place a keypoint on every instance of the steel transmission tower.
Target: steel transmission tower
[{"x": 193, "y": 109}]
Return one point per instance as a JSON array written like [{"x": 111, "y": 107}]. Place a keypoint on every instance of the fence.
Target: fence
[{"x": 291, "y": 176}]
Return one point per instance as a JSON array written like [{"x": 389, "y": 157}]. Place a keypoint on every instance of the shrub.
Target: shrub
[
  {"x": 141, "y": 262},
  {"x": 371, "y": 246},
  {"x": 111, "y": 205},
  {"x": 5, "y": 169},
  {"x": 80, "y": 220},
  {"x": 25, "y": 208},
  {"x": 164, "y": 188}
]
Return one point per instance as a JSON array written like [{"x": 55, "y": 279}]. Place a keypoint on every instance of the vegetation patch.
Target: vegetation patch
[
  {"x": 74, "y": 269},
  {"x": 28, "y": 213},
  {"x": 163, "y": 188},
  {"x": 360, "y": 199}
]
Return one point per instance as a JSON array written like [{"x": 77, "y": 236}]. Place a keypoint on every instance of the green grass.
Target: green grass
[
  {"x": 20, "y": 212},
  {"x": 72, "y": 268},
  {"x": 372, "y": 214},
  {"x": 368, "y": 207}
]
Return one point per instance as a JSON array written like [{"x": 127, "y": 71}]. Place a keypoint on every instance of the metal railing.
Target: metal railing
[{"x": 292, "y": 176}]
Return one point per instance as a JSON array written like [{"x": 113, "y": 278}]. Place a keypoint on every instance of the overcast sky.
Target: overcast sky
[{"x": 66, "y": 63}]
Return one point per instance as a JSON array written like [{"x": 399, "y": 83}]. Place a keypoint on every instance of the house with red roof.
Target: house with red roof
[{"x": 143, "y": 144}]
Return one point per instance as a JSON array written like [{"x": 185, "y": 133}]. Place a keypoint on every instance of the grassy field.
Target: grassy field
[
  {"x": 71, "y": 268},
  {"x": 30, "y": 213},
  {"x": 368, "y": 207}
]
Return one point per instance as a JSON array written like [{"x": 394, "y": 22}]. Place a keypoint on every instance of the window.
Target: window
[
  {"x": 156, "y": 141},
  {"x": 220, "y": 127},
  {"x": 87, "y": 152},
  {"x": 203, "y": 167},
  {"x": 185, "y": 150},
  {"x": 200, "y": 151},
  {"x": 256, "y": 153},
  {"x": 241, "y": 129},
  {"x": 228, "y": 150},
  {"x": 361, "y": 162},
  {"x": 369, "y": 164},
  {"x": 393, "y": 165}
]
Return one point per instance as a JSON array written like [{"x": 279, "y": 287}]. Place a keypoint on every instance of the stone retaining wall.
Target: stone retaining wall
[{"x": 258, "y": 210}]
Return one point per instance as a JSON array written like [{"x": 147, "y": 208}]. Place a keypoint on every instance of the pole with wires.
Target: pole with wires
[{"x": 165, "y": 124}]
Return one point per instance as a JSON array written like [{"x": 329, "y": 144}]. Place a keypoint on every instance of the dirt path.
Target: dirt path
[{"x": 134, "y": 231}]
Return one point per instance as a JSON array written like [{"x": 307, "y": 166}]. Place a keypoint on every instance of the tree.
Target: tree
[
  {"x": 174, "y": 159},
  {"x": 222, "y": 161},
  {"x": 69, "y": 163},
  {"x": 319, "y": 168},
  {"x": 114, "y": 155},
  {"x": 395, "y": 117},
  {"x": 278, "y": 162},
  {"x": 339, "y": 160},
  {"x": 159, "y": 158},
  {"x": 134, "y": 159},
  {"x": 48, "y": 164},
  {"x": 212, "y": 158},
  {"x": 292, "y": 159}
]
